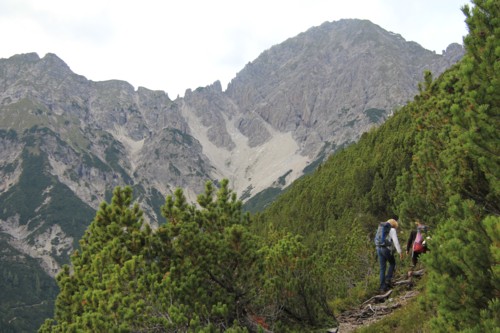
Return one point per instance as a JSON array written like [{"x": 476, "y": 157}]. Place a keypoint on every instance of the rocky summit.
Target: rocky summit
[{"x": 66, "y": 142}]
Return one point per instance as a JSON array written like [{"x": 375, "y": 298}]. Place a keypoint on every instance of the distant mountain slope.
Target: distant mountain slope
[
  {"x": 67, "y": 141},
  {"x": 325, "y": 87},
  {"x": 338, "y": 74}
]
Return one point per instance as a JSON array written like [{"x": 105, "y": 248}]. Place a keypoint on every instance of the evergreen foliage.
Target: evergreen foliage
[
  {"x": 202, "y": 271},
  {"x": 212, "y": 267},
  {"x": 215, "y": 261},
  {"x": 456, "y": 177},
  {"x": 107, "y": 288}
]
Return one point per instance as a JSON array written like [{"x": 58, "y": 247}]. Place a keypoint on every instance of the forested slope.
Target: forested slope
[
  {"x": 213, "y": 268},
  {"x": 436, "y": 159}
]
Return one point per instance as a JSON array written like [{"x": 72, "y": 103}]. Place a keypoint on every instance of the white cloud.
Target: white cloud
[{"x": 176, "y": 45}]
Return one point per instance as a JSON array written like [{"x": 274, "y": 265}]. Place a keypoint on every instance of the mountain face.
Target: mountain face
[{"x": 66, "y": 142}]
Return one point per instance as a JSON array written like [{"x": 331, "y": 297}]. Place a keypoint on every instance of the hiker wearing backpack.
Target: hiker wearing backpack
[
  {"x": 386, "y": 242},
  {"x": 417, "y": 242}
]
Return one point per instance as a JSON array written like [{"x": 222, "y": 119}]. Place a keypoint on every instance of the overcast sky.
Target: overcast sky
[{"x": 176, "y": 45}]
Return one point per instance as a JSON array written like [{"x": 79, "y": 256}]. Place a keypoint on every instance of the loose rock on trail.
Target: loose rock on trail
[{"x": 378, "y": 306}]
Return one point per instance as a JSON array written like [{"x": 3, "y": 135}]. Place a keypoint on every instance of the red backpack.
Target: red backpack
[{"x": 418, "y": 244}]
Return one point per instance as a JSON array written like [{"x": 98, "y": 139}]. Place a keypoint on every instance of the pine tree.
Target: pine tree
[
  {"x": 480, "y": 120},
  {"x": 216, "y": 264},
  {"x": 461, "y": 281},
  {"x": 109, "y": 284},
  {"x": 294, "y": 290}
]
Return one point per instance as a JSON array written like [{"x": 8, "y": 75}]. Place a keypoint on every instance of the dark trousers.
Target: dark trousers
[
  {"x": 414, "y": 258},
  {"x": 384, "y": 255}
]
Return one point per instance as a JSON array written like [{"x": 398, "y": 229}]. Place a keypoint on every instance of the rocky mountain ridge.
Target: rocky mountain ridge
[{"x": 66, "y": 141}]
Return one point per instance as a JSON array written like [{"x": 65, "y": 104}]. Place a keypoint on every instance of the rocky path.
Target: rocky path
[{"x": 378, "y": 306}]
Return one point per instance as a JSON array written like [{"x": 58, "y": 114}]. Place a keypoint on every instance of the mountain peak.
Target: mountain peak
[
  {"x": 50, "y": 60},
  {"x": 25, "y": 57}
]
